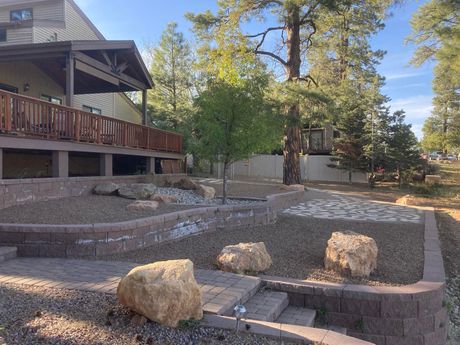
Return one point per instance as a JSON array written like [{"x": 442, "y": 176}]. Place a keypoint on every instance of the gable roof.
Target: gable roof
[{"x": 103, "y": 66}]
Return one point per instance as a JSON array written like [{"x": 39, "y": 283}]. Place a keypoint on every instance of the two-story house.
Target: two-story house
[{"x": 63, "y": 107}]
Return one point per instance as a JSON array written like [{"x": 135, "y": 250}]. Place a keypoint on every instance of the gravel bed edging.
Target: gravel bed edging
[
  {"x": 80, "y": 240},
  {"x": 410, "y": 314},
  {"x": 283, "y": 332}
]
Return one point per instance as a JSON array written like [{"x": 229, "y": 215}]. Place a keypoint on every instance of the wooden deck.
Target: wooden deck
[{"x": 30, "y": 117}]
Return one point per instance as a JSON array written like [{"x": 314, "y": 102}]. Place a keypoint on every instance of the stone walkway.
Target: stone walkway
[
  {"x": 220, "y": 290},
  {"x": 330, "y": 205}
]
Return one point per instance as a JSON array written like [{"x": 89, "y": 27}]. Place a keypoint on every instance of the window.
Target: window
[
  {"x": 2, "y": 35},
  {"x": 20, "y": 15},
  {"x": 92, "y": 110},
  {"x": 9, "y": 88},
  {"x": 51, "y": 99}
]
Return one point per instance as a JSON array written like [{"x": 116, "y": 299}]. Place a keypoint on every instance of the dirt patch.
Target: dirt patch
[
  {"x": 35, "y": 315},
  {"x": 297, "y": 247},
  {"x": 81, "y": 210}
]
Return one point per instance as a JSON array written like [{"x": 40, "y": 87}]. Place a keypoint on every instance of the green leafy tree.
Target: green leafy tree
[
  {"x": 233, "y": 120},
  {"x": 402, "y": 147},
  {"x": 171, "y": 99}
]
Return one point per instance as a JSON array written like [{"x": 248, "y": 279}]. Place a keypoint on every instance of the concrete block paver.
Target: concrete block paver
[
  {"x": 266, "y": 305},
  {"x": 221, "y": 291},
  {"x": 298, "y": 316}
]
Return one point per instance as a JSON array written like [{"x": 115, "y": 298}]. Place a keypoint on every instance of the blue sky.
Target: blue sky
[{"x": 143, "y": 21}]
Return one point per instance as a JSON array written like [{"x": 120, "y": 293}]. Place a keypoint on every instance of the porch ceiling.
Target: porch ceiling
[{"x": 100, "y": 66}]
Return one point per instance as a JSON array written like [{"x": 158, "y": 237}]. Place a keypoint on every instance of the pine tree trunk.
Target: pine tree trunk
[
  {"x": 292, "y": 143},
  {"x": 224, "y": 184}
]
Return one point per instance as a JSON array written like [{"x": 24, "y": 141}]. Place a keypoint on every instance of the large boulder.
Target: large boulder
[
  {"x": 165, "y": 292},
  {"x": 432, "y": 179},
  {"x": 349, "y": 253},
  {"x": 206, "y": 192},
  {"x": 244, "y": 257},
  {"x": 164, "y": 198},
  {"x": 293, "y": 187},
  {"x": 185, "y": 183},
  {"x": 143, "y": 205},
  {"x": 106, "y": 188},
  {"x": 137, "y": 190}
]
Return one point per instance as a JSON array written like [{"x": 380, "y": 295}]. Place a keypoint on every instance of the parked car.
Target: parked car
[
  {"x": 435, "y": 155},
  {"x": 451, "y": 158}
]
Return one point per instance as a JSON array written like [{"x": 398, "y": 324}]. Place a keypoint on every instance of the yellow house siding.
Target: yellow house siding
[
  {"x": 125, "y": 110},
  {"x": 18, "y": 73},
  {"x": 103, "y": 101}
]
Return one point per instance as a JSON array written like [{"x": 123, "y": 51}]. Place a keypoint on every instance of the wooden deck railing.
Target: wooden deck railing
[{"x": 26, "y": 116}]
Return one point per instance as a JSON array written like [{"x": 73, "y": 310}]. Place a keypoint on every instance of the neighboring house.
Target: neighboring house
[
  {"x": 63, "y": 108},
  {"x": 318, "y": 140}
]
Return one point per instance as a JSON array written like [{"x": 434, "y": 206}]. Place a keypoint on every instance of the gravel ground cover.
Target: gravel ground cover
[
  {"x": 35, "y": 315},
  {"x": 297, "y": 247},
  {"x": 244, "y": 189},
  {"x": 81, "y": 210}
]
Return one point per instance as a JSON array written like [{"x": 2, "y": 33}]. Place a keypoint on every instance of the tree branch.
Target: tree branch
[
  {"x": 304, "y": 18},
  {"x": 272, "y": 55}
]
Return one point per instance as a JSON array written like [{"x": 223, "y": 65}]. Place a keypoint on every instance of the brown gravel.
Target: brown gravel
[
  {"x": 35, "y": 315},
  {"x": 247, "y": 189},
  {"x": 80, "y": 210},
  {"x": 297, "y": 247}
]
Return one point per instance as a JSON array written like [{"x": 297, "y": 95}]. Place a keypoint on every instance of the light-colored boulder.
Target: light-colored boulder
[
  {"x": 106, "y": 188},
  {"x": 165, "y": 292},
  {"x": 164, "y": 198},
  {"x": 137, "y": 191},
  {"x": 206, "y": 192},
  {"x": 244, "y": 257},
  {"x": 143, "y": 205},
  {"x": 432, "y": 179},
  {"x": 407, "y": 200},
  {"x": 349, "y": 253},
  {"x": 186, "y": 183},
  {"x": 293, "y": 187}
]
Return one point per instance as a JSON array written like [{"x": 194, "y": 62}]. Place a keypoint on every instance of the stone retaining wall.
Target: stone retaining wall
[
  {"x": 101, "y": 239},
  {"x": 384, "y": 315},
  {"x": 22, "y": 191}
]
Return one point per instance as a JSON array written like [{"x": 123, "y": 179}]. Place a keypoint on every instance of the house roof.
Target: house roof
[{"x": 100, "y": 66}]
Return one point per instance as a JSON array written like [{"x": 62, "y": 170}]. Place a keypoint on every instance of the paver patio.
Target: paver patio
[
  {"x": 330, "y": 205},
  {"x": 220, "y": 290}
]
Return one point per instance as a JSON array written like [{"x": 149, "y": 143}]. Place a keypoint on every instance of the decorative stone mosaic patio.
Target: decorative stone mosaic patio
[{"x": 329, "y": 205}]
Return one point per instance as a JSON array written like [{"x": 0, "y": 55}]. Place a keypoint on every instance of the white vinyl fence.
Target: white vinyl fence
[{"x": 313, "y": 168}]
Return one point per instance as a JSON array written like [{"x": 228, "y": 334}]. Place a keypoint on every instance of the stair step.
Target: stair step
[
  {"x": 7, "y": 253},
  {"x": 266, "y": 305},
  {"x": 298, "y": 316}
]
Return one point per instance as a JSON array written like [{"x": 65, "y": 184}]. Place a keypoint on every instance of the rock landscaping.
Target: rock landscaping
[
  {"x": 349, "y": 253},
  {"x": 137, "y": 190},
  {"x": 244, "y": 258},
  {"x": 297, "y": 246},
  {"x": 141, "y": 205},
  {"x": 165, "y": 292}
]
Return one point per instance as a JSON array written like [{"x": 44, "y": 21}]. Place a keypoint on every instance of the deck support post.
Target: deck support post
[
  {"x": 60, "y": 163},
  {"x": 144, "y": 107},
  {"x": 69, "y": 79},
  {"x": 150, "y": 165},
  {"x": 1, "y": 163},
  {"x": 106, "y": 164}
]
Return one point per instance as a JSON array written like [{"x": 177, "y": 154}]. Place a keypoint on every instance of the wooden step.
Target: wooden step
[
  {"x": 266, "y": 305},
  {"x": 7, "y": 253},
  {"x": 298, "y": 316}
]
